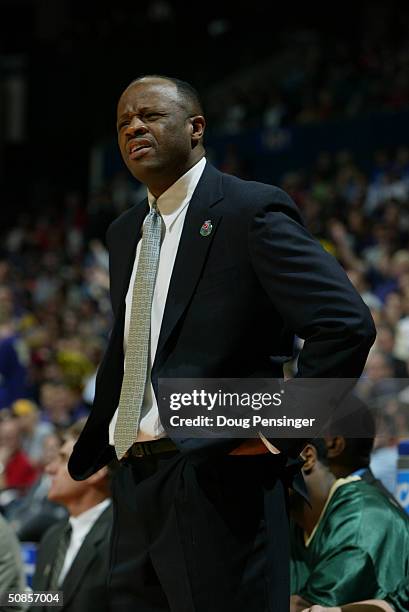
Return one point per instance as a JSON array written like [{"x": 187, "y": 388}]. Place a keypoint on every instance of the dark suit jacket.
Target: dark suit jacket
[
  {"x": 236, "y": 299},
  {"x": 84, "y": 586}
]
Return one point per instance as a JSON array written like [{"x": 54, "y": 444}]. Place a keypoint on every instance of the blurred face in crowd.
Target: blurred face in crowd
[
  {"x": 159, "y": 136},
  {"x": 10, "y": 436},
  {"x": 28, "y": 421},
  {"x": 51, "y": 447},
  {"x": 377, "y": 367},
  {"x": 63, "y": 488},
  {"x": 77, "y": 496},
  {"x": 385, "y": 340},
  {"x": 56, "y": 399}
]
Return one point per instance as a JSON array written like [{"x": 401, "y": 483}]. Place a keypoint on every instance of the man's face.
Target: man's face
[
  {"x": 154, "y": 132},
  {"x": 10, "y": 435},
  {"x": 63, "y": 488}
]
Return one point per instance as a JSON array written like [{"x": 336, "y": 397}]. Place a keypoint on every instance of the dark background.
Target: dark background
[{"x": 72, "y": 59}]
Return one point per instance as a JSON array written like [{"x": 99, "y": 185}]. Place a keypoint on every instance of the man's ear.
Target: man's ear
[
  {"x": 309, "y": 454},
  {"x": 198, "y": 124},
  {"x": 335, "y": 446}
]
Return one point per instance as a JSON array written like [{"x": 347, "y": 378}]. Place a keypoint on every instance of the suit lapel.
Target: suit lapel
[
  {"x": 192, "y": 251},
  {"x": 86, "y": 554},
  {"x": 126, "y": 248}
]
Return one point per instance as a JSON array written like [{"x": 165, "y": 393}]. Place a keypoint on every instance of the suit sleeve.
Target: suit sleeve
[
  {"x": 315, "y": 299},
  {"x": 311, "y": 292}
]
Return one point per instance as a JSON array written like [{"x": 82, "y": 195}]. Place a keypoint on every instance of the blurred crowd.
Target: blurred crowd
[
  {"x": 55, "y": 318},
  {"x": 55, "y": 311},
  {"x": 317, "y": 79}
]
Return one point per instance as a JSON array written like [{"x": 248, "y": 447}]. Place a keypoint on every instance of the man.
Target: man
[
  {"x": 16, "y": 470},
  {"x": 223, "y": 277},
  {"x": 343, "y": 545},
  {"x": 33, "y": 430},
  {"x": 73, "y": 554},
  {"x": 33, "y": 514},
  {"x": 14, "y": 355}
]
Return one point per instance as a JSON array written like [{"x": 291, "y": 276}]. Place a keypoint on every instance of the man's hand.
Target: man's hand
[
  {"x": 317, "y": 608},
  {"x": 297, "y": 604},
  {"x": 362, "y": 606}
]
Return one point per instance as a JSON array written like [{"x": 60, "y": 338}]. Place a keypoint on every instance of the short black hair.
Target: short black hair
[
  {"x": 354, "y": 417},
  {"x": 186, "y": 91},
  {"x": 321, "y": 448}
]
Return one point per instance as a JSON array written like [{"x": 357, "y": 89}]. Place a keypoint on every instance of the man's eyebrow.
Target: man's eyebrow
[{"x": 144, "y": 109}]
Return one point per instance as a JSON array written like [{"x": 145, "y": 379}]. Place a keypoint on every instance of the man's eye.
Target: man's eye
[
  {"x": 152, "y": 116},
  {"x": 122, "y": 124}
]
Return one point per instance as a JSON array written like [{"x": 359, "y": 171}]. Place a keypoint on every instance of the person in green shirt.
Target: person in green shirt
[
  {"x": 349, "y": 455},
  {"x": 351, "y": 544}
]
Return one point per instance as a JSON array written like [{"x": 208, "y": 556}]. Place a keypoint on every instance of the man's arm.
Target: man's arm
[
  {"x": 298, "y": 604},
  {"x": 311, "y": 292},
  {"x": 316, "y": 300}
]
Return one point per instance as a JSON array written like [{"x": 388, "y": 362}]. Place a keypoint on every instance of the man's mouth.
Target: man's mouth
[{"x": 138, "y": 149}]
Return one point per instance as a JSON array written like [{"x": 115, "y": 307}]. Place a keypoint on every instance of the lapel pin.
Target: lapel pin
[{"x": 206, "y": 228}]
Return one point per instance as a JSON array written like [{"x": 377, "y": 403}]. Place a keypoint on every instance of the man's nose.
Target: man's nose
[{"x": 136, "y": 127}]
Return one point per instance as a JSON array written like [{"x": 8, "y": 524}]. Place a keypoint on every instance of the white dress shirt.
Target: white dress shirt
[
  {"x": 81, "y": 526},
  {"x": 172, "y": 205}
]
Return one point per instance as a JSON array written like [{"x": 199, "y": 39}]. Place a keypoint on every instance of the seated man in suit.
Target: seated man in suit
[
  {"x": 73, "y": 554},
  {"x": 343, "y": 546}
]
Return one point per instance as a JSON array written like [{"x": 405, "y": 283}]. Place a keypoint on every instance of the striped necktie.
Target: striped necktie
[{"x": 137, "y": 350}]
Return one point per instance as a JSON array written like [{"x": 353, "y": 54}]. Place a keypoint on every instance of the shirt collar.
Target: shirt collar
[
  {"x": 335, "y": 486},
  {"x": 84, "y": 521},
  {"x": 177, "y": 196}
]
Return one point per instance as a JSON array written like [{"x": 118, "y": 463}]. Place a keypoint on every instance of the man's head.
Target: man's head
[
  {"x": 10, "y": 435},
  {"x": 160, "y": 127},
  {"x": 76, "y": 496},
  {"x": 318, "y": 479},
  {"x": 385, "y": 338},
  {"x": 27, "y": 415},
  {"x": 350, "y": 437}
]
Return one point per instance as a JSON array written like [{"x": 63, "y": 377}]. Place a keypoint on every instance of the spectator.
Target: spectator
[
  {"x": 385, "y": 343},
  {"x": 16, "y": 471},
  {"x": 33, "y": 514},
  {"x": 343, "y": 546},
  {"x": 384, "y": 459},
  {"x": 80, "y": 568},
  {"x": 62, "y": 404},
  {"x": 13, "y": 353},
  {"x": 348, "y": 453},
  {"x": 33, "y": 430}
]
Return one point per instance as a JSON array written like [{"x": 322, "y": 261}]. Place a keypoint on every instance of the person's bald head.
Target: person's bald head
[{"x": 187, "y": 96}]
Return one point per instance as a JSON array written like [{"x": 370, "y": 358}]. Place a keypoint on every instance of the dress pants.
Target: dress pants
[{"x": 194, "y": 533}]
